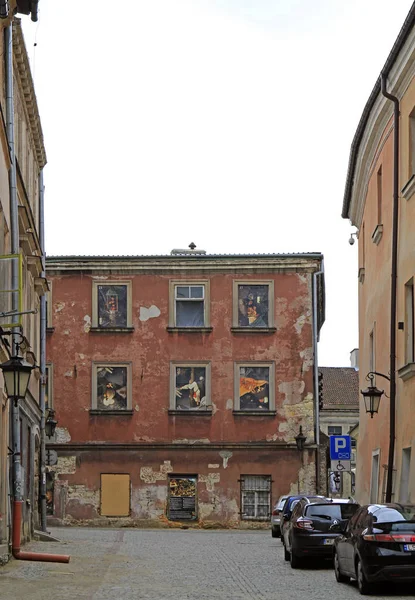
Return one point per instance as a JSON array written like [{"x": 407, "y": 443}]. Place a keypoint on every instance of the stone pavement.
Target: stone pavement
[{"x": 131, "y": 564}]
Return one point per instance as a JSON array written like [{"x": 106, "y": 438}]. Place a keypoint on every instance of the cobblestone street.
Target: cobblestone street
[{"x": 131, "y": 564}]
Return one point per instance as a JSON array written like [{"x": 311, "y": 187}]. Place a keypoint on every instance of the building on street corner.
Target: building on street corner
[{"x": 180, "y": 384}]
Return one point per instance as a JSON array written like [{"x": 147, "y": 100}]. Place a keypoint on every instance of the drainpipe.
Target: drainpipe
[
  {"x": 315, "y": 354},
  {"x": 14, "y": 234},
  {"x": 394, "y": 270},
  {"x": 42, "y": 387}
]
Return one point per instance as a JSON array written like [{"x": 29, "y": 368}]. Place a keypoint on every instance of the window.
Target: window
[
  {"x": 253, "y": 305},
  {"x": 189, "y": 305},
  {"x": 254, "y": 388},
  {"x": 111, "y": 387},
  {"x": 405, "y": 475},
  {"x": 49, "y": 312},
  {"x": 374, "y": 479},
  {"x": 111, "y": 305},
  {"x": 334, "y": 430},
  {"x": 182, "y": 498},
  {"x": 409, "y": 322},
  {"x": 190, "y": 387},
  {"x": 255, "y": 497},
  {"x": 115, "y": 495},
  {"x": 48, "y": 386}
]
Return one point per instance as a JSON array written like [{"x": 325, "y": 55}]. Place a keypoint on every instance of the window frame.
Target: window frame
[
  {"x": 256, "y": 504},
  {"x": 270, "y": 328},
  {"x": 334, "y": 427},
  {"x": 173, "y": 284},
  {"x": 95, "y": 327},
  {"x": 49, "y": 311},
  {"x": 236, "y": 402},
  {"x": 173, "y": 410},
  {"x": 49, "y": 384},
  {"x": 94, "y": 400}
]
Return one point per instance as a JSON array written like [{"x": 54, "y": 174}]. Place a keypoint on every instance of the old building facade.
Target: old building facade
[
  {"x": 30, "y": 158},
  {"x": 179, "y": 384},
  {"x": 386, "y": 335}
]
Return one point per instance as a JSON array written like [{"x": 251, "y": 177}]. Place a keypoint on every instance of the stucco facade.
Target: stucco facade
[
  {"x": 233, "y": 434},
  {"x": 368, "y": 203}
]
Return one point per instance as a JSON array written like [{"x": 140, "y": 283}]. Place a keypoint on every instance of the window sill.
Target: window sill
[
  {"x": 408, "y": 189},
  {"x": 193, "y": 412},
  {"x": 111, "y": 413},
  {"x": 407, "y": 371},
  {"x": 377, "y": 234},
  {"x": 253, "y": 329},
  {"x": 361, "y": 274},
  {"x": 189, "y": 329},
  {"x": 112, "y": 329},
  {"x": 255, "y": 413}
]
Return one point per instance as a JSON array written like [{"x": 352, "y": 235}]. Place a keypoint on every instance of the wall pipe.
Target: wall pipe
[
  {"x": 15, "y": 248},
  {"x": 42, "y": 386},
  {"x": 394, "y": 271},
  {"x": 316, "y": 274}
]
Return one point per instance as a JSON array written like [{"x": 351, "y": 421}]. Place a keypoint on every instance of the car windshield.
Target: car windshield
[
  {"x": 331, "y": 511},
  {"x": 387, "y": 514},
  {"x": 281, "y": 503}
]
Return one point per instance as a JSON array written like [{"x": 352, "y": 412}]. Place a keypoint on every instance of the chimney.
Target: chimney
[{"x": 354, "y": 359}]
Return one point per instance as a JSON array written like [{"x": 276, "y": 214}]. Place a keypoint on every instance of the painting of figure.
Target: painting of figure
[
  {"x": 191, "y": 388},
  {"x": 111, "y": 388},
  {"x": 254, "y": 388},
  {"x": 253, "y": 303},
  {"x": 112, "y": 306}
]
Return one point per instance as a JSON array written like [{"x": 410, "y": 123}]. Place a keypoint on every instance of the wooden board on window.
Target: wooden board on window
[{"x": 115, "y": 495}]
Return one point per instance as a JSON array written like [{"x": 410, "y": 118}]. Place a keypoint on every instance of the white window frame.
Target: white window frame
[
  {"x": 271, "y": 399},
  {"x": 256, "y": 491},
  {"x": 271, "y": 304},
  {"x": 205, "y": 284},
  {"x": 108, "y": 283},
  {"x": 94, "y": 403},
  {"x": 374, "y": 477},
  {"x": 190, "y": 364}
]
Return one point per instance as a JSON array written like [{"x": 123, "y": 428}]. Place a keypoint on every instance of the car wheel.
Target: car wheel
[
  {"x": 275, "y": 532},
  {"x": 286, "y": 554},
  {"x": 340, "y": 578},
  {"x": 295, "y": 561},
  {"x": 364, "y": 586}
]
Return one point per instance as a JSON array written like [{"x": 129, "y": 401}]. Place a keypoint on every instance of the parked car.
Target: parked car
[
  {"x": 275, "y": 516},
  {"x": 378, "y": 544},
  {"x": 313, "y": 527},
  {"x": 288, "y": 508}
]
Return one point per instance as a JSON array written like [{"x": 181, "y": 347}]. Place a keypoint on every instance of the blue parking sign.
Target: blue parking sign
[{"x": 340, "y": 447}]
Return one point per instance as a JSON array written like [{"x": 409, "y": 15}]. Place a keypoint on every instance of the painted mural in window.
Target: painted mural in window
[
  {"x": 190, "y": 305},
  {"x": 111, "y": 388},
  {"x": 254, "y": 388},
  {"x": 253, "y": 305},
  {"x": 112, "y": 306},
  {"x": 182, "y": 498},
  {"x": 190, "y": 388},
  {"x": 50, "y": 491}
]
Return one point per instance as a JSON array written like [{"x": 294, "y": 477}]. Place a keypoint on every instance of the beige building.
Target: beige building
[
  {"x": 30, "y": 159},
  {"x": 380, "y": 201}
]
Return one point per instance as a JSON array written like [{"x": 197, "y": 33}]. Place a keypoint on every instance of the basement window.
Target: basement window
[{"x": 255, "y": 497}]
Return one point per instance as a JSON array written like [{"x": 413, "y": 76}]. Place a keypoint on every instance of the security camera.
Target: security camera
[{"x": 351, "y": 240}]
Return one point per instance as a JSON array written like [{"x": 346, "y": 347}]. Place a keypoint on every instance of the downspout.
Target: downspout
[
  {"x": 315, "y": 354},
  {"x": 42, "y": 386},
  {"x": 14, "y": 234},
  {"x": 394, "y": 270}
]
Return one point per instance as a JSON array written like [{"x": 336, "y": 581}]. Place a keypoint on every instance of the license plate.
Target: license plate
[
  {"x": 328, "y": 541},
  {"x": 409, "y": 547}
]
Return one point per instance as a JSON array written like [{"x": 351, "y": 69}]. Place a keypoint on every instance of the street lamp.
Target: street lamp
[
  {"x": 16, "y": 373},
  {"x": 300, "y": 439},
  {"x": 50, "y": 423},
  {"x": 371, "y": 394}
]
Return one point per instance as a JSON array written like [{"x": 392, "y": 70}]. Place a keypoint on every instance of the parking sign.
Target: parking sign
[{"x": 340, "y": 447}]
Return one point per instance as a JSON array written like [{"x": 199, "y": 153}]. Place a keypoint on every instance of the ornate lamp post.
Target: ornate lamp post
[
  {"x": 50, "y": 423},
  {"x": 16, "y": 373}
]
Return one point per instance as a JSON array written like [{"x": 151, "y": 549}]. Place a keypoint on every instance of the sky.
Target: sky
[{"x": 226, "y": 123}]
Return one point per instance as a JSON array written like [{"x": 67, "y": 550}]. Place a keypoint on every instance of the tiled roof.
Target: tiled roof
[{"x": 340, "y": 387}]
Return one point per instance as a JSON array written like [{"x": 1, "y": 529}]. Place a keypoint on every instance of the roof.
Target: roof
[
  {"x": 397, "y": 47},
  {"x": 340, "y": 387},
  {"x": 186, "y": 254}
]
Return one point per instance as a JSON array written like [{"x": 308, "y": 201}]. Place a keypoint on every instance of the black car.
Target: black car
[
  {"x": 378, "y": 544},
  {"x": 313, "y": 527},
  {"x": 288, "y": 508}
]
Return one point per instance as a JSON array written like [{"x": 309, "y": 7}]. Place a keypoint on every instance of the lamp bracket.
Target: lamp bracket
[{"x": 371, "y": 375}]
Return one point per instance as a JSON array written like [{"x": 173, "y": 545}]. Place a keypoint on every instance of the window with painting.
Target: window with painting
[
  {"x": 253, "y": 305},
  {"x": 111, "y": 387},
  {"x": 111, "y": 305},
  {"x": 254, "y": 389},
  {"x": 190, "y": 387}
]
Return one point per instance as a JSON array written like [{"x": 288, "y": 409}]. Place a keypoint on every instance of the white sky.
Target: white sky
[{"x": 223, "y": 122}]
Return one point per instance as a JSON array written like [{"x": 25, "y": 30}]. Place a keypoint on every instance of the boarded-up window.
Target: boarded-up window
[{"x": 115, "y": 495}]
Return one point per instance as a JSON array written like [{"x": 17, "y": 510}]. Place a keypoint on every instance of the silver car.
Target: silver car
[{"x": 275, "y": 517}]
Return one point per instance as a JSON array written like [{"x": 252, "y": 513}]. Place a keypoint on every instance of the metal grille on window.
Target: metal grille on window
[
  {"x": 190, "y": 305},
  {"x": 255, "y": 497}
]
